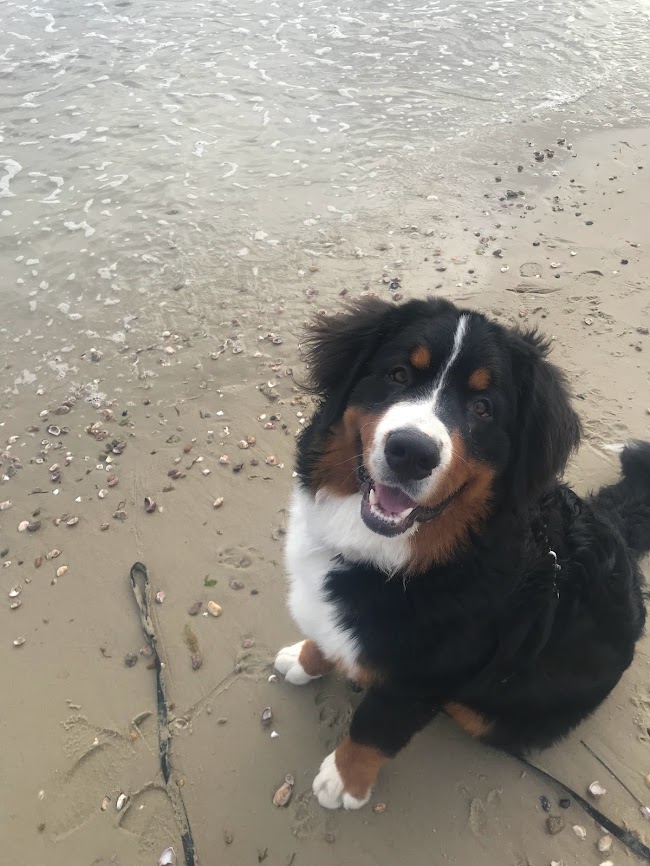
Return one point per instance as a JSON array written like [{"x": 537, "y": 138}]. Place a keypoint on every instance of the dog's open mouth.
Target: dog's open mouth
[{"x": 390, "y": 511}]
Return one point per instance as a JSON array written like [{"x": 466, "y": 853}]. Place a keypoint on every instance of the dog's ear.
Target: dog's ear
[
  {"x": 336, "y": 348},
  {"x": 547, "y": 429}
]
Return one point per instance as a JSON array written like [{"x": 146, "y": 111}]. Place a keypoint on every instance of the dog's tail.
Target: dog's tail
[{"x": 627, "y": 503}]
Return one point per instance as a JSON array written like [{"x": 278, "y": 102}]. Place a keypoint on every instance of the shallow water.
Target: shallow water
[{"x": 150, "y": 146}]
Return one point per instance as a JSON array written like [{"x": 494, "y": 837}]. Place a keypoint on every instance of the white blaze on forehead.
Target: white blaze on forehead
[{"x": 421, "y": 414}]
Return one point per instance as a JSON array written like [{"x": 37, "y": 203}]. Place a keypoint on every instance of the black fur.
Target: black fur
[{"x": 498, "y": 629}]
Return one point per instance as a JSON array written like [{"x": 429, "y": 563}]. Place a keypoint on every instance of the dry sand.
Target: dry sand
[{"x": 68, "y": 731}]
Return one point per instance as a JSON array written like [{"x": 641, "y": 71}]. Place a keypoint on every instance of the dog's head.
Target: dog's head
[{"x": 432, "y": 415}]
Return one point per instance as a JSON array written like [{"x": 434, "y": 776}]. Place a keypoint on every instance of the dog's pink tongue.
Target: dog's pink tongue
[{"x": 392, "y": 500}]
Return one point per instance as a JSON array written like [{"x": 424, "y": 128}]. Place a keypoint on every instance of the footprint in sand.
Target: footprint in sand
[{"x": 238, "y": 557}]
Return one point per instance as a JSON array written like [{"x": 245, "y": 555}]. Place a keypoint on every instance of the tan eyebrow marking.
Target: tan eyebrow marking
[
  {"x": 421, "y": 357},
  {"x": 480, "y": 379}
]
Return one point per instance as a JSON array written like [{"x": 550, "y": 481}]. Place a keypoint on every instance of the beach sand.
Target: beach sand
[{"x": 79, "y": 725}]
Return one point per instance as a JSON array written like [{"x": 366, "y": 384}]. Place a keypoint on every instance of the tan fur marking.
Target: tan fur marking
[
  {"x": 336, "y": 469},
  {"x": 313, "y": 661},
  {"x": 469, "y": 720},
  {"x": 358, "y": 767},
  {"x": 421, "y": 358},
  {"x": 437, "y": 540},
  {"x": 480, "y": 379}
]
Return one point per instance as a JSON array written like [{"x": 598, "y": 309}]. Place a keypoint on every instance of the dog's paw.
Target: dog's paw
[
  {"x": 329, "y": 788},
  {"x": 287, "y": 662}
]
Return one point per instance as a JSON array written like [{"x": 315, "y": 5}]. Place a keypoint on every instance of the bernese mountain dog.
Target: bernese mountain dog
[{"x": 433, "y": 554}]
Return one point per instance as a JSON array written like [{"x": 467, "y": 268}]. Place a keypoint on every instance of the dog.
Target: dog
[{"x": 433, "y": 554}]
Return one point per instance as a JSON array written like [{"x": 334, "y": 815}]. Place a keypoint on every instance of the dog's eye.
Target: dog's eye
[
  {"x": 400, "y": 375},
  {"x": 482, "y": 408}
]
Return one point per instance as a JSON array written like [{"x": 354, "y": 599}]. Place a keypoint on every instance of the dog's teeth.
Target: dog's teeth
[
  {"x": 404, "y": 514},
  {"x": 372, "y": 496}
]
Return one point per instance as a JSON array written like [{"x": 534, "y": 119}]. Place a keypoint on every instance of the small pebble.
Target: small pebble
[
  {"x": 546, "y": 803},
  {"x": 196, "y": 608},
  {"x": 555, "y": 824},
  {"x": 236, "y": 584},
  {"x": 160, "y": 596},
  {"x": 218, "y": 502},
  {"x": 247, "y": 643},
  {"x": 228, "y": 837},
  {"x": 214, "y": 609},
  {"x": 564, "y": 803},
  {"x": 130, "y": 659},
  {"x": 379, "y": 808}
]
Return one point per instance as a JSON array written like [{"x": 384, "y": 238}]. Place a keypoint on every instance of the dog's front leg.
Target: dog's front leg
[{"x": 381, "y": 726}]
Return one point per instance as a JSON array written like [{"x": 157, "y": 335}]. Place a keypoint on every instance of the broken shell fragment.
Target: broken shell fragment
[
  {"x": 597, "y": 790},
  {"x": 15, "y": 591},
  {"x": 72, "y": 521},
  {"x": 120, "y": 515},
  {"x": 61, "y": 570},
  {"x": 645, "y": 811},
  {"x": 19, "y": 641},
  {"x": 267, "y": 716},
  {"x": 224, "y": 459},
  {"x": 243, "y": 444},
  {"x": 22, "y": 526},
  {"x": 112, "y": 480},
  {"x": 272, "y": 460},
  {"x": 105, "y": 803},
  {"x": 160, "y": 596},
  {"x": 149, "y": 505},
  {"x": 580, "y": 832},
  {"x": 121, "y": 802},
  {"x": 283, "y": 794},
  {"x": 167, "y": 858},
  {"x": 604, "y": 844},
  {"x": 214, "y": 609},
  {"x": 6, "y": 504},
  {"x": 53, "y": 554},
  {"x": 102, "y": 493},
  {"x": 379, "y": 808},
  {"x": 15, "y": 605},
  {"x": 218, "y": 502}
]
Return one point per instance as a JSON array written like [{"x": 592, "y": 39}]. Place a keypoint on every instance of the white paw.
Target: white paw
[
  {"x": 287, "y": 662},
  {"x": 328, "y": 788}
]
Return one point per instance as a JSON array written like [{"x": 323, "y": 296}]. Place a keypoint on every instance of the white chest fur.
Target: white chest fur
[{"x": 320, "y": 528}]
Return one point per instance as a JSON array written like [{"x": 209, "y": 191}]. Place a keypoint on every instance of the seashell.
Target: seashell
[
  {"x": 195, "y": 609},
  {"x": 149, "y": 505},
  {"x": 72, "y": 521},
  {"x": 104, "y": 527},
  {"x": 379, "y": 808},
  {"x": 38, "y": 562},
  {"x": 175, "y": 474},
  {"x": 243, "y": 444},
  {"x": 61, "y": 570},
  {"x": 205, "y": 471},
  {"x": 272, "y": 460},
  {"x": 22, "y": 526},
  {"x": 62, "y": 410},
  {"x": 224, "y": 459},
  {"x": 15, "y": 591},
  {"x": 6, "y": 504},
  {"x": 112, "y": 480},
  {"x": 274, "y": 735},
  {"x": 53, "y": 553},
  {"x": 12, "y": 440},
  {"x": 277, "y": 341},
  {"x": 283, "y": 794},
  {"x": 607, "y": 863},
  {"x": 604, "y": 844},
  {"x": 645, "y": 811},
  {"x": 214, "y": 609},
  {"x": 597, "y": 790},
  {"x": 267, "y": 716},
  {"x": 647, "y": 780},
  {"x": 105, "y": 803},
  {"x": 15, "y": 605},
  {"x": 196, "y": 660},
  {"x": 269, "y": 425},
  {"x": 19, "y": 641},
  {"x": 34, "y": 526},
  {"x": 54, "y": 467},
  {"x": 247, "y": 643},
  {"x": 580, "y": 832},
  {"x": 53, "y": 430},
  {"x": 56, "y": 521},
  {"x": 160, "y": 596},
  {"x": 251, "y": 440},
  {"x": 120, "y": 514},
  {"x": 218, "y": 502},
  {"x": 121, "y": 802},
  {"x": 102, "y": 494},
  {"x": 167, "y": 858}
]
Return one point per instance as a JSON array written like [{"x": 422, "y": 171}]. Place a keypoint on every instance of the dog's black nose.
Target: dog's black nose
[{"x": 411, "y": 455}]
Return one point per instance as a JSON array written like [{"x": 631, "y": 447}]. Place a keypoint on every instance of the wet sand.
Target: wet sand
[{"x": 79, "y": 725}]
